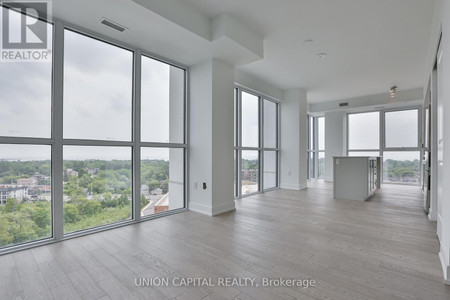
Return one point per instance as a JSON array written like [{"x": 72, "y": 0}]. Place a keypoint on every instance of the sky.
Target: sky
[
  {"x": 401, "y": 131},
  {"x": 98, "y": 87}
]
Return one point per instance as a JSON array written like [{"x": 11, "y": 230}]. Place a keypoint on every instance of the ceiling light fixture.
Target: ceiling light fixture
[
  {"x": 392, "y": 91},
  {"x": 321, "y": 54}
]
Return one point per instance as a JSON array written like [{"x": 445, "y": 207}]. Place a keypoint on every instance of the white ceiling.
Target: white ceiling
[{"x": 371, "y": 44}]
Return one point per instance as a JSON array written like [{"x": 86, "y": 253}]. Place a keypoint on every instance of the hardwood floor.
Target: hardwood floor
[{"x": 384, "y": 248}]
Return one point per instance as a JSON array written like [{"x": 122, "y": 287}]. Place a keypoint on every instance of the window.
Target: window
[
  {"x": 316, "y": 147},
  {"x": 250, "y": 120},
  {"x": 25, "y": 148},
  {"x": 162, "y": 180},
  {"x": 25, "y": 208},
  {"x": 398, "y": 143},
  {"x": 98, "y": 85},
  {"x": 120, "y": 153},
  {"x": 364, "y": 131},
  {"x": 401, "y": 129},
  {"x": 401, "y": 167},
  {"x": 97, "y": 186},
  {"x": 256, "y": 143},
  {"x": 162, "y": 102},
  {"x": 98, "y": 89}
]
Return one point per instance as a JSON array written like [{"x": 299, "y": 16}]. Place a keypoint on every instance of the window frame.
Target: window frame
[
  {"x": 238, "y": 148},
  {"x": 57, "y": 141},
  {"x": 382, "y": 131},
  {"x": 314, "y": 148}
]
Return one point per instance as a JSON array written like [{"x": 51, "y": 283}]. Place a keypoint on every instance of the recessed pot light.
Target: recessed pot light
[{"x": 321, "y": 54}]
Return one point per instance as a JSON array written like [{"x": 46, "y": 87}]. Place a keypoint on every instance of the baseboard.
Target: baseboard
[
  {"x": 292, "y": 186},
  {"x": 445, "y": 266},
  {"x": 200, "y": 208},
  {"x": 432, "y": 215},
  {"x": 210, "y": 211},
  {"x": 223, "y": 208}
]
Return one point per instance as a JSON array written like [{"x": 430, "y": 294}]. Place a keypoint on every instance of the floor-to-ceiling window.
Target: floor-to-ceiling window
[
  {"x": 401, "y": 153},
  {"x": 256, "y": 143},
  {"x": 92, "y": 138},
  {"x": 316, "y": 147},
  {"x": 393, "y": 134}
]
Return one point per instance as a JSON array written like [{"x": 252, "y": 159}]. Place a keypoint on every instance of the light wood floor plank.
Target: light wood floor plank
[{"x": 384, "y": 248}]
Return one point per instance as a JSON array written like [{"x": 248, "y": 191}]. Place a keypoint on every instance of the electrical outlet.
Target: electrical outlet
[
  {"x": 204, "y": 185},
  {"x": 195, "y": 185}
]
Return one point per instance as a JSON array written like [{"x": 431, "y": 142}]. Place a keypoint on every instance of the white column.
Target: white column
[
  {"x": 211, "y": 138},
  {"x": 294, "y": 140},
  {"x": 335, "y": 139}
]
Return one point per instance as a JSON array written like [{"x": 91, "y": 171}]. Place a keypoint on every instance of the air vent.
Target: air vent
[
  {"x": 113, "y": 25},
  {"x": 343, "y": 104}
]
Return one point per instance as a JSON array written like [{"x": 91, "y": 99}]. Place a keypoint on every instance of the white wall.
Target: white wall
[
  {"x": 294, "y": 137},
  {"x": 442, "y": 20},
  {"x": 335, "y": 139},
  {"x": 211, "y": 137},
  {"x": 261, "y": 87}
]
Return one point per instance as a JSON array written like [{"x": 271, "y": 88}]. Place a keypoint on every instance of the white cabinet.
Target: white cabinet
[{"x": 356, "y": 177}]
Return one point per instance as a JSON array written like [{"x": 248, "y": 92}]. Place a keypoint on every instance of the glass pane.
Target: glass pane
[
  {"x": 363, "y": 153},
  {"x": 321, "y": 164},
  {"x": 402, "y": 128},
  {"x": 25, "y": 97},
  {"x": 98, "y": 85},
  {"x": 235, "y": 175},
  {"x": 162, "y": 180},
  {"x": 270, "y": 169},
  {"x": 162, "y": 102},
  {"x": 427, "y": 128},
  {"x": 97, "y": 186},
  {"x": 250, "y": 120},
  {"x": 311, "y": 133},
  {"x": 270, "y": 124},
  {"x": 235, "y": 117},
  {"x": 250, "y": 169},
  {"x": 311, "y": 164},
  {"x": 25, "y": 194},
  {"x": 401, "y": 167},
  {"x": 321, "y": 133},
  {"x": 364, "y": 131}
]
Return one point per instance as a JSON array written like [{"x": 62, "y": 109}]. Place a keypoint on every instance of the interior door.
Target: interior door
[{"x": 440, "y": 138}]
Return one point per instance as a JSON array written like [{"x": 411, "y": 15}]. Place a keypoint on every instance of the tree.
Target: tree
[
  {"x": 89, "y": 208},
  {"x": 41, "y": 217},
  {"x": 70, "y": 213},
  {"x": 11, "y": 205},
  {"x": 153, "y": 184},
  {"x": 144, "y": 201},
  {"x": 5, "y": 237}
]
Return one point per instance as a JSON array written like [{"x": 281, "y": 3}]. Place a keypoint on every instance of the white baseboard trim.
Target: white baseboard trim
[
  {"x": 200, "y": 208},
  {"x": 432, "y": 215},
  {"x": 291, "y": 186},
  {"x": 209, "y": 210},
  {"x": 223, "y": 208},
  {"x": 445, "y": 267}
]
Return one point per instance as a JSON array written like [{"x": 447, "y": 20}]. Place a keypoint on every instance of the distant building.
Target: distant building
[
  {"x": 162, "y": 204},
  {"x": 250, "y": 175},
  {"x": 93, "y": 171},
  {"x": 156, "y": 191},
  {"x": 71, "y": 172},
  {"x": 27, "y": 181},
  {"x": 16, "y": 192},
  {"x": 145, "y": 190}
]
